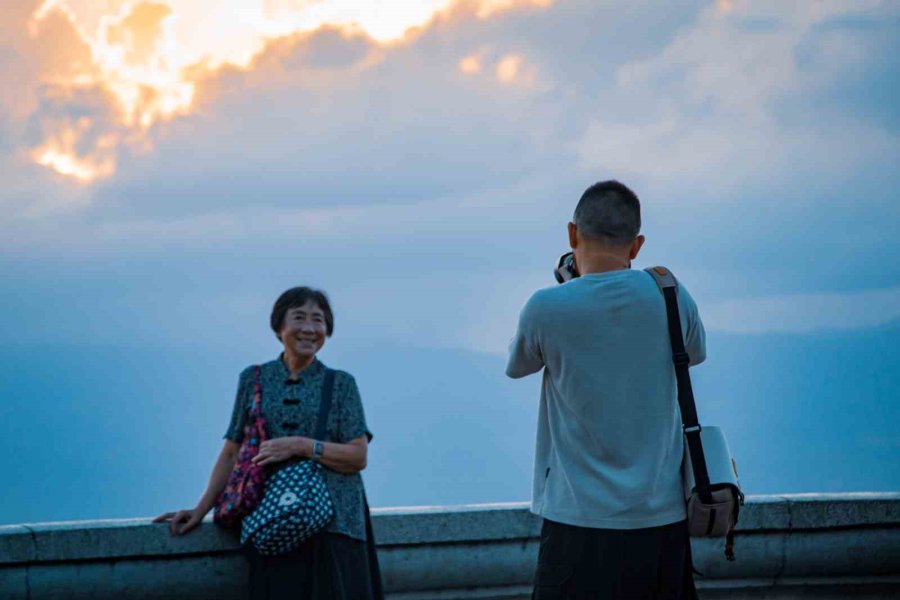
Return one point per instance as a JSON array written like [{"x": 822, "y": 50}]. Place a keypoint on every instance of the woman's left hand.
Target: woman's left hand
[{"x": 281, "y": 449}]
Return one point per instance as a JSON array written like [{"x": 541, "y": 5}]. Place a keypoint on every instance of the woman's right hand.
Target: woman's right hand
[
  {"x": 184, "y": 521},
  {"x": 181, "y": 521}
]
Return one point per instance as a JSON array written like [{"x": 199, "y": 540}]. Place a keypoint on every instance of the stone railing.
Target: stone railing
[{"x": 809, "y": 545}]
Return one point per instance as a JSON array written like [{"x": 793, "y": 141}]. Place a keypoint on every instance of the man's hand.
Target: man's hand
[
  {"x": 182, "y": 521},
  {"x": 281, "y": 449}
]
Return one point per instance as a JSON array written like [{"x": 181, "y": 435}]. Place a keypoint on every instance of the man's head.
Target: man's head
[{"x": 607, "y": 223}]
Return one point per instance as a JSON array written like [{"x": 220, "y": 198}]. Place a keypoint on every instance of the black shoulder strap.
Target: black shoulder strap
[
  {"x": 669, "y": 286},
  {"x": 374, "y": 568},
  {"x": 325, "y": 406}
]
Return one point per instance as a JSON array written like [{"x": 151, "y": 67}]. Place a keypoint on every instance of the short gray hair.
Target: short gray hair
[{"x": 609, "y": 211}]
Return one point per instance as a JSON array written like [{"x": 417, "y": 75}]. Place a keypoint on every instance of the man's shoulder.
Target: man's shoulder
[
  {"x": 684, "y": 296},
  {"x": 543, "y": 298},
  {"x": 667, "y": 273}
]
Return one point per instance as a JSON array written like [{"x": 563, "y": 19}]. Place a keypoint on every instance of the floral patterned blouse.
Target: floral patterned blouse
[{"x": 291, "y": 408}]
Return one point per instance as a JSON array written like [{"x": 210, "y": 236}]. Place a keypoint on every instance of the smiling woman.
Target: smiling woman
[{"x": 290, "y": 392}]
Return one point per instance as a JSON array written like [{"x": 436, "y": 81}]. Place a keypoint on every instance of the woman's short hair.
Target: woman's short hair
[{"x": 297, "y": 297}]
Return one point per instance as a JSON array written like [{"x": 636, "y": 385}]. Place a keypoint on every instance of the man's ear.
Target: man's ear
[
  {"x": 573, "y": 236},
  {"x": 636, "y": 247}
]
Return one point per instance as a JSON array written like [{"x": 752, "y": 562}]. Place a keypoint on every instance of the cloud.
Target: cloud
[
  {"x": 139, "y": 33},
  {"x": 142, "y": 95},
  {"x": 805, "y": 313},
  {"x": 513, "y": 69},
  {"x": 487, "y": 8},
  {"x": 147, "y": 57},
  {"x": 471, "y": 64},
  {"x": 462, "y": 147},
  {"x": 34, "y": 61},
  {"x": 710, "y": 107},
  {"x": 332, "y": 118}
]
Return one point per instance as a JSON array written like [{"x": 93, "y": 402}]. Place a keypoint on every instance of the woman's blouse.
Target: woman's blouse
[{"x": 291, "y": 407}]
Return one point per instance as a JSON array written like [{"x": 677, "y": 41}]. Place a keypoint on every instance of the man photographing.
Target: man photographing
[{"x": 607, "y": 469}]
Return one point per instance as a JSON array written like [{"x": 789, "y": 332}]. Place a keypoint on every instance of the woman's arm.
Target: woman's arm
[
  {"x": 346, "y": 458},
  {"x": 183, "y": 521}
]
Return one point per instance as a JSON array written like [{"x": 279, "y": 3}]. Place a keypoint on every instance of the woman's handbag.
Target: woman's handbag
[
  {"x": 296, "y": 504},
  {"x": 711, "y": 484},
  {"x": 247, "y": 480}
]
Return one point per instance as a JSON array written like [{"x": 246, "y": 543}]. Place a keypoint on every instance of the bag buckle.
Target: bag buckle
[
  {"x": 693, "y": 429},
  {"x": 681, "y": 358}
]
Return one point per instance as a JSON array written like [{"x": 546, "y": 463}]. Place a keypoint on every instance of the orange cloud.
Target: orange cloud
[
  {"x": 724, "y": 6},
  {"x": 470, "y": 65},
  {"x": 487, "y": 8},
  {"x": 60, "y": 152},
  {"x": 61, "y": 52},
  {"x": 148, "y": 57},
  {"x": 509, "y": 69},
  {"x": 512, "y": 69},
  {"x": 138, "y": 34}
]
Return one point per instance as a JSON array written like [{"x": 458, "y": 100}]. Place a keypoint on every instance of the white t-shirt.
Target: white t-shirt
[{"x": 609, "y": 438}]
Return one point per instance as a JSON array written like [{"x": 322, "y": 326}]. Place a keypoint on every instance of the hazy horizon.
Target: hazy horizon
[{"x": 437, "y": 440}]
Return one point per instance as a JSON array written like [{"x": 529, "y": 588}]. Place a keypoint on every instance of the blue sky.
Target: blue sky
[{"x": 425, "y": 182}]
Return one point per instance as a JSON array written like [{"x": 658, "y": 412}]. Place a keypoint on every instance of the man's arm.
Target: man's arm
[
  {"x": 692, "y": 325},
  {"x": 525, "y": 355}
]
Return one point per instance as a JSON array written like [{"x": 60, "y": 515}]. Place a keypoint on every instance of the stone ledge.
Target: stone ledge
[
  {"x": 115, "y": 538},
  {"x": 808, "y": 545},
  {"x": 404, "y": 526},
  {"x": 448, "y": 524},
  {"x": 818, "y": 511}
]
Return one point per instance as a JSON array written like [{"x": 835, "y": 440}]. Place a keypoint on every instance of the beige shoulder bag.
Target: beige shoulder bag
[{"x": 711, "y": 485}]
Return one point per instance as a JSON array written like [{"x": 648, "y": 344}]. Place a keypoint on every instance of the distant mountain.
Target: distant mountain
[
  {"x": 102, "y": 432},
  {"x": 806, "y": 413}
]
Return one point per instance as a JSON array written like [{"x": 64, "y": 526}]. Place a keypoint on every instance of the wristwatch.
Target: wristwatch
[{"x": 318, "y": 450}]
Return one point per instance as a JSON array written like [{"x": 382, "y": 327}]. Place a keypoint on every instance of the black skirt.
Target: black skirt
[
  {"x": 328, "y": 566},
  {"x": 578, "y": 563}
]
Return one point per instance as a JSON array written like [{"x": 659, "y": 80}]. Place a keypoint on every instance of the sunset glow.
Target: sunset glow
[
  {"x": 148, "y": 57},
  {"x": 470, "y": 65},
  {"x": 59, "y": 153}
]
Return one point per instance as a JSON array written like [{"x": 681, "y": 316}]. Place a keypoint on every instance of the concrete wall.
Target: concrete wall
[{"x": 815, "y": 546}]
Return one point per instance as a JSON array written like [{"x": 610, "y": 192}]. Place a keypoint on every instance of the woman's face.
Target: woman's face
[{"x": 303, "y": 331}]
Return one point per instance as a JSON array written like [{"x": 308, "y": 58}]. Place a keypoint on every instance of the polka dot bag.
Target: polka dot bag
[{"x": 296, "y": 504}]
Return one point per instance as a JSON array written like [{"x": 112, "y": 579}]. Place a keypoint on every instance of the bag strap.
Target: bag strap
[
  {"x": 325, "y": 406},
  {"x": 256, "y": 409},
  {"x": 669, "y": 287}
]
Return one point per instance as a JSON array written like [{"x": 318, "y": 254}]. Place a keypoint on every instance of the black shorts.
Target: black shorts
[{"x": 582, "y": 563}]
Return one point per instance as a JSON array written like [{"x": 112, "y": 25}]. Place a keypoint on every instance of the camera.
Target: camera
[{"x": 565, "y": 269}]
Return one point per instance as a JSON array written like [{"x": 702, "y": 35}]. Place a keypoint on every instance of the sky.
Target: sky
[{"x": 169, "y": 167}]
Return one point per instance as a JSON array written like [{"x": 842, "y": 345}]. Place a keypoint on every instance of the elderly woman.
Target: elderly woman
[{"x": 339, "y": 561}]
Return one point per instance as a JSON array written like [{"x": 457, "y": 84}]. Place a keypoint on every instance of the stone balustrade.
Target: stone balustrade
[{"x": 806, "y": 545}]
